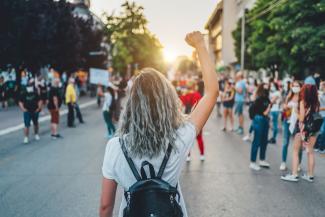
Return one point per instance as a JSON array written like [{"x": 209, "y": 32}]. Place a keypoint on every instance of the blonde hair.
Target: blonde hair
[{"x": 151, "y": 116}]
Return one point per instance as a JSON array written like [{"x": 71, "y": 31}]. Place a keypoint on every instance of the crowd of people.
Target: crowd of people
[
  {"x": 297, "y": 106},
  {"x": 33, "y": 94}
]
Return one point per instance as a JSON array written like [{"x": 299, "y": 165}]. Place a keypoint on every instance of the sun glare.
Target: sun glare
[{"x": 169, "y": 55}]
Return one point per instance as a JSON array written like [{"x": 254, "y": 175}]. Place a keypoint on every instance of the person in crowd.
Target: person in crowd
[
  {"x": 308, "y": 105},
  {"x": 260, "y": 126},
  {"x": 70, "y": 100},
  {"x": 77, "y": 86},
  {"x": 289, "y": 118},
  {"x": 100, "y": 94},
  {"x": 43, "y": 92},
  {"x": 190, "y": 100},
  {"x": 228, "y": 99},
  {"x": 151, "y": 123},
  {"x": 10, "y": 89},
  {"x": 320, "y": 144},
  {"x": 251, "y": 96},
  {"x": 221, "y": 89},
  {"x": 240, "y": 101},
  {"x": 108, "y": 111},
  {"x": 275, "y": 97},
  {"x": 30, "y": 103},
  {"x": 54, "y": 104},
  {"x": 3, "y": 99}
]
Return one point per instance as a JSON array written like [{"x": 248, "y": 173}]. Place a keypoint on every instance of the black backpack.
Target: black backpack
[
  {"x": 151, "y": 197},
  {"x": 313, "y": 122}
]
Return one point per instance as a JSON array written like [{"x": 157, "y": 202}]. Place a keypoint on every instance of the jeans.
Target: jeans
[
  {"x": 109, "y": 123},
  {"x": 275, "y": 120},
  {"x": 78, "y": 112},
  {"x": 261, "y": 128},
  {"x": 320, "y": 143},
  {"x": 286, "y": 142}
]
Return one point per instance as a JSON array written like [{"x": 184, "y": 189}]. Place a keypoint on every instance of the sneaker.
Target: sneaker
[
  {"x": 265, "y": 164},
  {"x": 308, "y": 178},
  {"x": 53, "y": 136},
  {"x": 272, "y": 141},
  {"x": 316, "y": 150},
  {"x": 59, "y": 136},
  {"x": 247, "y": 138},
  {"x": 37, "y": 137},
  {"x": 26, "y": 140},
  {"x": 202, "y": 158},
  {"x": 223, "y": 129},
  {"x": 188, "y": 159},
  {"x": 321, "y": 151},
  {"x": 254, "y": 166},
  {"x": 290, "y": 178},
  {"x": 283, "y": 166}
]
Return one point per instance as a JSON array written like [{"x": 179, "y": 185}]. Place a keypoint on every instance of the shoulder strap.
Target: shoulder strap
[
  {"x": 164, "y": 163},
  {"x": 130, "y": 161}
]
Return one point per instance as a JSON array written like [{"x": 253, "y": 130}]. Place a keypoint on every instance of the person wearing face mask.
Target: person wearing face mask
[
  {"x": 320, "y": 143},
  {"x": 289, "y": 117},
  {"x": 30, "y": 104},
  {"x": 275, "y": 97}
]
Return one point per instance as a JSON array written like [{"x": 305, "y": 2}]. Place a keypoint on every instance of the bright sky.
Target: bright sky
[{"x": 169, "y": 20}]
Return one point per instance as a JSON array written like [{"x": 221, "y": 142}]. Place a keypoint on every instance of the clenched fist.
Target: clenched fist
[{"x": 195, "y": 39}]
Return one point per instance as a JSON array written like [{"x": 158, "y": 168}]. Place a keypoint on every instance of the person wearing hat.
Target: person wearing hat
[
  {"x": 30, "y": 104},
  {"x": 308, "y": 105}
]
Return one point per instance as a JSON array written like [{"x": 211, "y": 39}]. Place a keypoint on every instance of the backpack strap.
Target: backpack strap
[
  {"x": 151, "y": 170},
  {"x": 130, "y": 161},
  {"x": 164, "y": 163}
]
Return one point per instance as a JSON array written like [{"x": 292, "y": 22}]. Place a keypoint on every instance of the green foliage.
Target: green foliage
[
  {"x": 37, "y": 33},
  {"x": 132, "y": 42},
  {"x": 290, "y": 38}
]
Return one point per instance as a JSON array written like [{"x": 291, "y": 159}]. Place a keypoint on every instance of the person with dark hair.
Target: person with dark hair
[
  {"x": 109, "y": 106},
  {"x": 54, "y": 104},
  {"x": 260, "y": 127},
  {"x": 320, "y": 144},
  {"x": 228, "y": 99},
  {"x": 308, "y": 105},
  {"x": 31, "y": 105},
  {"x": 275, "y": 97}
]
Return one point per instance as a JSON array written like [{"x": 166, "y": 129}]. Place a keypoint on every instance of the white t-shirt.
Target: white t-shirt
[
  {"x": 276, "y": 105},
  {"x": 107, "y": 101},
  {"x": 115, "y": 166}
]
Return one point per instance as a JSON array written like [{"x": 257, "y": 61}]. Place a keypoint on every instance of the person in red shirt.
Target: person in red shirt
[{"x": 190, "y": 100}]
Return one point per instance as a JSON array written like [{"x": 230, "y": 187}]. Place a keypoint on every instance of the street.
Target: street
[{"x": 58, "y": 178}]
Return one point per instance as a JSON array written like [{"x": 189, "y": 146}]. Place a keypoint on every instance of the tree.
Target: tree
[
  {"x": 289, "y": 38},
  {"x": 38, "y": 33},
  {"x": 133, "y": 43}
]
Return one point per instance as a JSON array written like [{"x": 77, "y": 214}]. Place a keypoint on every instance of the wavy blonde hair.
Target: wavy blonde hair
[{"x": 151, "y": 116}]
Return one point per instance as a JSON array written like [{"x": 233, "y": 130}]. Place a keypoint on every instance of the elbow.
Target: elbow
[{"x": 105, "y": 210}]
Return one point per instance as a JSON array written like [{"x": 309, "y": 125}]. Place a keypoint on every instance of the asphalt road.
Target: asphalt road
[{"x": 61, "y": 178}]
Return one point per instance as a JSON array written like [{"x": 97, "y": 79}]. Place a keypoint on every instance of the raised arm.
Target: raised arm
[{"x": 202, "y": 111}]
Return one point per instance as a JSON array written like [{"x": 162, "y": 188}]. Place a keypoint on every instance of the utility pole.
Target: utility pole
[{"x": 242, "y": 51}]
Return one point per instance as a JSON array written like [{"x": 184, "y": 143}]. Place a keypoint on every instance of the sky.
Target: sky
[{"x": 169, "y": 20}]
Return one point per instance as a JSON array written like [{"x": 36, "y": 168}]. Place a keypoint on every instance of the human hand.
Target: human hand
[{"x": 195, "y": 39}]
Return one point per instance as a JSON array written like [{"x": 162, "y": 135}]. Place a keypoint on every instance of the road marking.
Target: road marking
[{"x": 43, "y": 119}]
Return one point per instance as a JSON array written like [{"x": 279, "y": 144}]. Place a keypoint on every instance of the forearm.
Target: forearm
[
  {"x": 21, "y": 106},
  {"x": 209, "y": 75},
  {"x": 106, "y": 212}
]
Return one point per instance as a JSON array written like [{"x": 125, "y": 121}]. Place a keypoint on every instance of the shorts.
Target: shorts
[
  {"x": 55, "y": 116},
  {"x": 228, "y": 105},
  {"x": 30, "y": 116},
  {"x": 239, "y": 108}
]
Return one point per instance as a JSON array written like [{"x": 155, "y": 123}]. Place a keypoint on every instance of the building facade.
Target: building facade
[{"x": 220, "y": 26}]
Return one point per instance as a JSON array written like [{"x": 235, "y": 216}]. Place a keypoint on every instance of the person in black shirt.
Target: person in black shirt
[
  {"x": 54, "y": 104},
  {"x": 30, "y": 104},
  {"x": 3, "y": 100},
  {"x": 260, "y": 127}
]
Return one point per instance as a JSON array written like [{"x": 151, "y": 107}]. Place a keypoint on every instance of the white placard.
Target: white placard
[{"x": 99, "y": 76}]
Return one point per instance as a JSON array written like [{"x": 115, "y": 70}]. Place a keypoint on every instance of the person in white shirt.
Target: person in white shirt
[
  {"x": 152, "y": 119},
  {"x": 108, "y": 109},
  {"x": 275, "y": 97}
]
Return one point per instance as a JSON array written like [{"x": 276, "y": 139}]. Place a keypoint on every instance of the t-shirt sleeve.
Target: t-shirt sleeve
[
  {"x": 187, "y": 135},
  {"x": 110, "y": 159}
]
